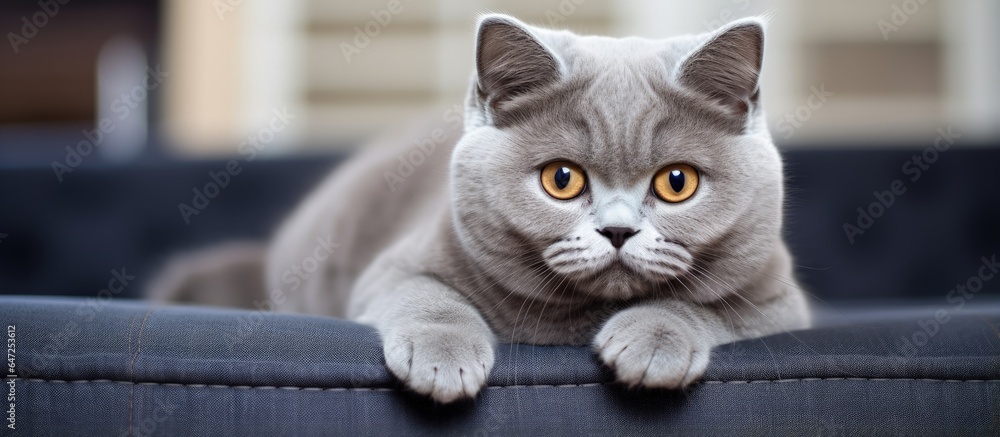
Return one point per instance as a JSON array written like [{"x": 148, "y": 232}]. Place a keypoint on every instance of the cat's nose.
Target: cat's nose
[{"x": 617, "y": 235}]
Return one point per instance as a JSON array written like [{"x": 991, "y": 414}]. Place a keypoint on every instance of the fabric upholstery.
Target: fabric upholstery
[{"x": 113, "y": 368}]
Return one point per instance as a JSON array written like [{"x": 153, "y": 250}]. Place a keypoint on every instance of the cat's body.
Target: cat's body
[
  {"x": 378, "y": 230},
  {"x": 470, "y": 249}
]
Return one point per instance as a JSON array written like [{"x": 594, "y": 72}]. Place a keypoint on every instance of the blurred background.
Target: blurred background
[
  {"x": 349, "y": 69},
  {"x": 113, "y": 112}
]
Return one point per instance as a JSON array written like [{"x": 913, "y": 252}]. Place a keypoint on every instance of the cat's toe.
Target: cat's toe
[
  {"x": 445, "y": 364},
  {"x": 661, "y": 367},
  {"x": 652, "y": 350}
]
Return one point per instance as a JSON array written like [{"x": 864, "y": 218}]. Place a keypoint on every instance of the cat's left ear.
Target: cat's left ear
[{"x": 726, "y": 68}]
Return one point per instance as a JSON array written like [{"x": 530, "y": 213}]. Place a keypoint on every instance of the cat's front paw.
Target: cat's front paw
[
  {"x": 652, "y": 347},
  {"x": 443, "y": 361}
]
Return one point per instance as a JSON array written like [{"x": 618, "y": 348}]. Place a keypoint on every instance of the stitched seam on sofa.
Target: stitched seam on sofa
[
  {"x": 494, "y": 387},
  {"x": 131, "y": 325},
  {"x": 131, "y": 373}
]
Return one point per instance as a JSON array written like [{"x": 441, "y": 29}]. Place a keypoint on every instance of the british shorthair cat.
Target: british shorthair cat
[{"x": 619, "y": 193}]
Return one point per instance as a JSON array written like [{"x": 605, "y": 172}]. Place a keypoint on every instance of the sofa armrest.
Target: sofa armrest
[{"x": 129, "y": 368}]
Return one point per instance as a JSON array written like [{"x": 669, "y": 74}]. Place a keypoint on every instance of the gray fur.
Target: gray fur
[{"x": 471, "y": 250}]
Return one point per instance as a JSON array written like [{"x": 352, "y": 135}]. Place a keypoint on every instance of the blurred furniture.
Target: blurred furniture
[
  {"x": 65, "y": 237},
  {"x": 62, "y": 68}
]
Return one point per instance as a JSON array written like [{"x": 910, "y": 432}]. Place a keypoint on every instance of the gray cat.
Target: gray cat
[{"x": 621, "y": 193}]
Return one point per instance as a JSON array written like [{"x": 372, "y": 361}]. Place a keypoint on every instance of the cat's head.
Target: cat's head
[{"x": 617, "y": 167}]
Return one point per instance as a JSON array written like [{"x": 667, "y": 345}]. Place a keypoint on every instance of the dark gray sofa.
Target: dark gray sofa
[
  {"x": 882, "y": 359},
  {"x": 139, "y": 370}
]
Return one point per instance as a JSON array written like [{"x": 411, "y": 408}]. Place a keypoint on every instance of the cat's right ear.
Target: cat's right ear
[{"x": 510, "y": 62}]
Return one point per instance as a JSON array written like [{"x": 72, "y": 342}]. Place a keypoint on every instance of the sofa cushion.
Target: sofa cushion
[{"x": 90, "y": 367}]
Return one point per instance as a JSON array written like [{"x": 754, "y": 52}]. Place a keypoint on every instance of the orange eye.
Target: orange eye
[
  {"x": 675, "y": 183},
  {"x": 563, "y": 180}
]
